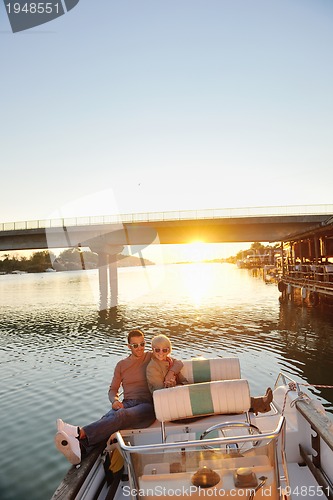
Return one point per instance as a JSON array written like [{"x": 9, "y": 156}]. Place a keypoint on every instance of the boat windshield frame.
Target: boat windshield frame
[{"x": 194, "y": 443}]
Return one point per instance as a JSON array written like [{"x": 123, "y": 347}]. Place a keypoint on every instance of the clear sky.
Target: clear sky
[{"x": 153, "y": 105}]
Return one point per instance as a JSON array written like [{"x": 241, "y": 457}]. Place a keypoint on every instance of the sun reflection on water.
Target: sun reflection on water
[{"x": 197, "y": 282}]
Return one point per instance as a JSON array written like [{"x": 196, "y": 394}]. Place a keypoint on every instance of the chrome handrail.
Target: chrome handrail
[
  {"x": 128, "y": 449},
  {"x": 198, "y": 442}
]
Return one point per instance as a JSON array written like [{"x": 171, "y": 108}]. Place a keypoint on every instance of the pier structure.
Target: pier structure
[{"x": 307, "y": 265}]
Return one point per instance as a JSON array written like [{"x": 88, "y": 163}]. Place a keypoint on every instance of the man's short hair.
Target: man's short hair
[{"x": 134, "y": 333}]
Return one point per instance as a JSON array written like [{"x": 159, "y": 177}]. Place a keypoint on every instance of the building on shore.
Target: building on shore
[{"x": 307, "y": 265}]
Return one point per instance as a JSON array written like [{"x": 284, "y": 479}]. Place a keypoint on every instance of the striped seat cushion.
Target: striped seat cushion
[
  {"x": 206, "y": 370},
  {"x": 207, "y": 398}
]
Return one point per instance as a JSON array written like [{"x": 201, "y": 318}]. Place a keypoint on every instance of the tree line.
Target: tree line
[
  {"x": 256, "y": 249},
  {"x": 74, "y": 259},
  {"x": 71, "y": 259},
  {"x": 68, "y": 260}
]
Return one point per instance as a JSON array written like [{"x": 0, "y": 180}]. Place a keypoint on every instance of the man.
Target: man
[{"x": 134, "y": 412}]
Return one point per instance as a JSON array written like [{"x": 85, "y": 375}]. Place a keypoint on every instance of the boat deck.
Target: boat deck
[{"x": 286, "y": 453}]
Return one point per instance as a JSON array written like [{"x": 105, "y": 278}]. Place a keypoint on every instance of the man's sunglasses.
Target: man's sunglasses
[
  {"x": 165, "y": 349},
  {"x": 135, "y": 346}
]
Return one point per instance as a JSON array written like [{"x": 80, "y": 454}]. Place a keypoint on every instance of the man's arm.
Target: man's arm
[
  {"x": 170, "y": 378},
  {"x": 114, "y": 388}
]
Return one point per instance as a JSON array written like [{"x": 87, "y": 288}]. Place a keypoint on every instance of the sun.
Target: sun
[{"x": 196, "y": 251}]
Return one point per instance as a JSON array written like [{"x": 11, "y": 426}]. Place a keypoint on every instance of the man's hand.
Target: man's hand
[
  {"x": 116, "y": 405},
  {"x": 170, "y": 379}
]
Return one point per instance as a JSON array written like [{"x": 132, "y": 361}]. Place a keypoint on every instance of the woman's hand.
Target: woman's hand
[{"x": 170, "y": 379}]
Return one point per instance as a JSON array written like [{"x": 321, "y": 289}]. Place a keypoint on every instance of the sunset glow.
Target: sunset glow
[
  {"x": 197, "y": 251},
  {"x": 197, "y": 282}
]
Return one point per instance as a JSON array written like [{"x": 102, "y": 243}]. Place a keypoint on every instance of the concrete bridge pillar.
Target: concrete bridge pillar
[
  {"x": 113, "y": 280},
  {"x": 103, "y": 280},
  {"x": 107, "y": 274}
]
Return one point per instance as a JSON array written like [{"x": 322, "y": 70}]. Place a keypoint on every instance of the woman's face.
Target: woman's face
[{"x": 161, "y": 352}]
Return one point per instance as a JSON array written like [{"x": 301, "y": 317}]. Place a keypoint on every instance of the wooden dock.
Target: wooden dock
[{"x": 307, "y": 265}]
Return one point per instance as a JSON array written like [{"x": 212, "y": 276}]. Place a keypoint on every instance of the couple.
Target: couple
[{"x": 140, "y": 374}]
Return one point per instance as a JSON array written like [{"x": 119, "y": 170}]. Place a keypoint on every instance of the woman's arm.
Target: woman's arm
[
  {"x": 155, "y": 376},
  {"x": 171, "y": 376}
]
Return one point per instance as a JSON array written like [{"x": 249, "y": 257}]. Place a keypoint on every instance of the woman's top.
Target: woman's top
[{"x": 157, "y": 370}]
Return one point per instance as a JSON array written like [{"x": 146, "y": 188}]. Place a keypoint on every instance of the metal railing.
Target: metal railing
[{"x": 176, "y": 215}]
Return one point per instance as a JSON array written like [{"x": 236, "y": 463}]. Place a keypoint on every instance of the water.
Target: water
[{"x": 58, "y": 352}]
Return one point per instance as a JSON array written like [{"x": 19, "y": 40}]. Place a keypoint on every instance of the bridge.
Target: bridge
[
  {"x": 108, "y": 235},
  {"x": 266, "y": 224}
]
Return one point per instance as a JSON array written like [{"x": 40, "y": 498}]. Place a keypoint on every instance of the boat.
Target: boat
[
  {"x": 254, "y": 261},
  {"x": 206, "y": 442}
]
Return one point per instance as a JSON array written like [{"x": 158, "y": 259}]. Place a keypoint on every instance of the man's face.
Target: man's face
[{"x": 137, "y": 346}]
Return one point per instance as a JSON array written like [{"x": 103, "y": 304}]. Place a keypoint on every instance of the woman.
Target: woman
[{"x": 161, "y": 363}]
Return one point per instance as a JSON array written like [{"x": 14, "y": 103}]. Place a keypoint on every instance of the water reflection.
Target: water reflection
[
  {"x": 59, "y": 350},
  {"x": 197, "y": 283},
  {"x": 306, "y": 334},
  {"x": 113, "y": 317}
]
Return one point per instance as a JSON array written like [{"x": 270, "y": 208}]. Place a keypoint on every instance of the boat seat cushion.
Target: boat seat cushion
[
  {"x": 207, "y": 398},
  {"x": 206, "y": 370}
]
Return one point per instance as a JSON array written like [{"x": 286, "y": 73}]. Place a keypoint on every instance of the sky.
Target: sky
[{"x": 156, "y": 105}]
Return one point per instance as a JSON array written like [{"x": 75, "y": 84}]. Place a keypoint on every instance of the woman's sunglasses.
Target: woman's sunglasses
[
  {"x": 165, "y": 349},
  {"x": 135, "y": 346}
]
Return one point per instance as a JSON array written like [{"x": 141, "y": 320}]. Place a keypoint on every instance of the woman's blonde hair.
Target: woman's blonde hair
[{"x": 160, "y": 341}]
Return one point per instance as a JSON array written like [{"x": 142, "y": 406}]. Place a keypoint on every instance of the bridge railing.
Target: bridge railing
[{"x": 216, "y": 213}]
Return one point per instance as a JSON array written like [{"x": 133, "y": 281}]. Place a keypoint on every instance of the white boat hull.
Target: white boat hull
[{"x": 295, "y": 456}]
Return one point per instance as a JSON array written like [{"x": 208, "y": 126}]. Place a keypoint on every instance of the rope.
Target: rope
[
  {"x": 318, "y": 385},
  {"x": 292, "y": 386}
]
